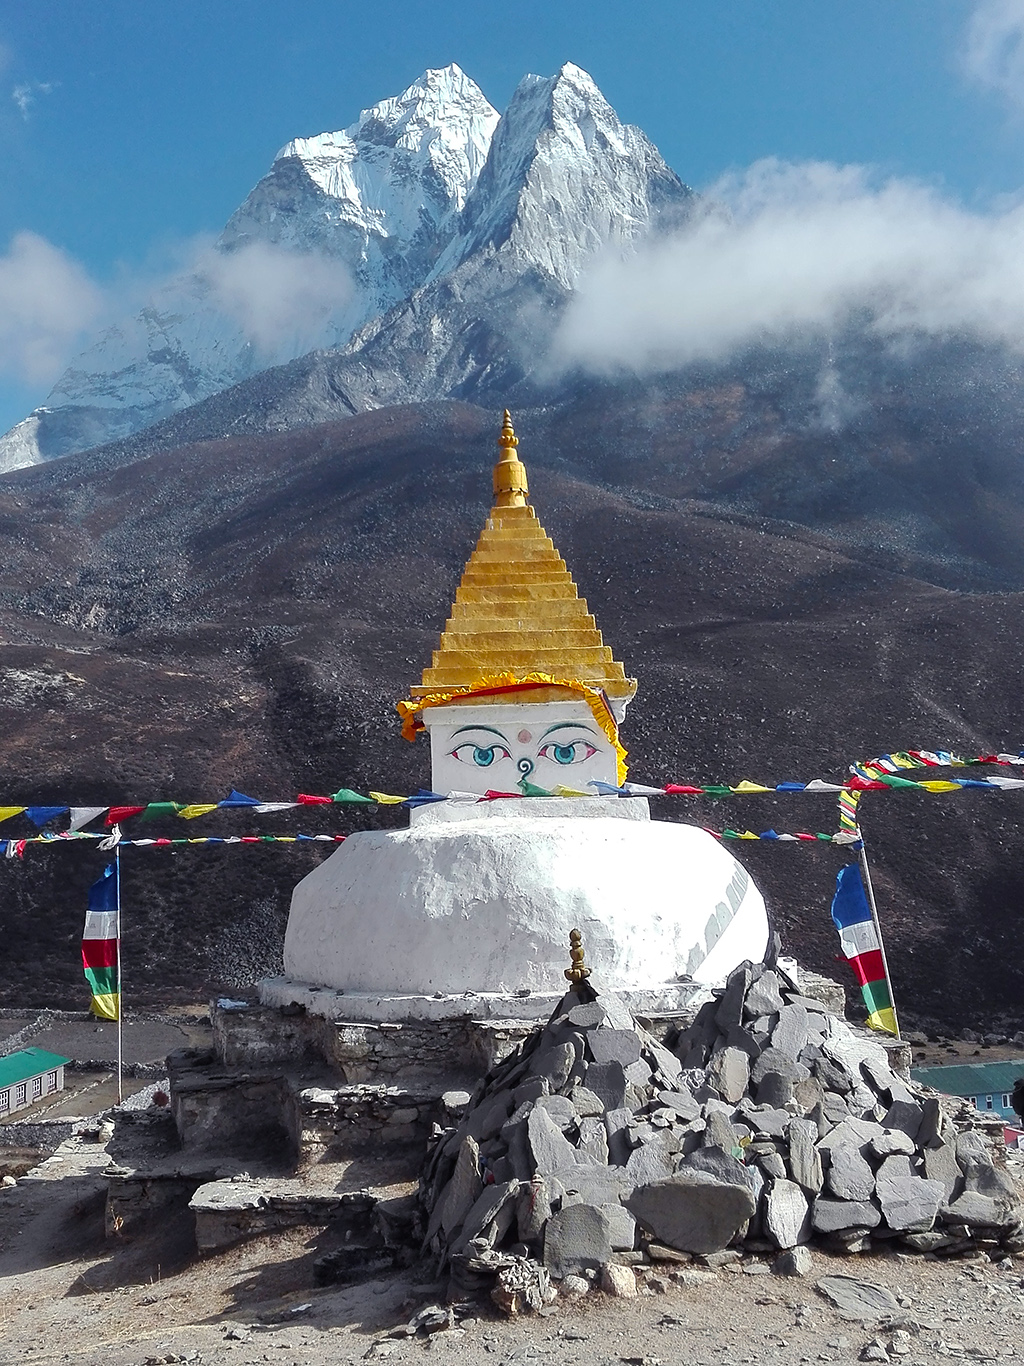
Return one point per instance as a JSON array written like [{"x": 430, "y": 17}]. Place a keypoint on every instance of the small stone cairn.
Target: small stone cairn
[{"x": 593, "y": 1149}]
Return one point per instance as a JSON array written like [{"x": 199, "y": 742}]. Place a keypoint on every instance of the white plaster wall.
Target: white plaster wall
[
  {"x": 487, "y": 906},
  {"x": 522, "y": 740}
]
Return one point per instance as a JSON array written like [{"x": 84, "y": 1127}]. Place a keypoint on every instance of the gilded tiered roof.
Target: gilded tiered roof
[{"x": 517, "y": 609}]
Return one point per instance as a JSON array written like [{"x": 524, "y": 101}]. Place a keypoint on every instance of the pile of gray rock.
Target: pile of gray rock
[{"x": 769, "y": 1122}]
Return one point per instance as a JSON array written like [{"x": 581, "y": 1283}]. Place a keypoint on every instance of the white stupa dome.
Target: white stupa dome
[{"x": 468, "y": 912}]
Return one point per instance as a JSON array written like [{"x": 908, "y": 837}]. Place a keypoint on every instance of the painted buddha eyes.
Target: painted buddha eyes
[
  {"x": 481, "y": 755},
  {"x": 576, "y": 752}
]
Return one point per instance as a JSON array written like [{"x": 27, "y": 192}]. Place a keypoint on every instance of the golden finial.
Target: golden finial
[
  {"x": 508, "y": 432},
  {"x": 510, "y": 486},
  {"x": 577, "y": 972}
]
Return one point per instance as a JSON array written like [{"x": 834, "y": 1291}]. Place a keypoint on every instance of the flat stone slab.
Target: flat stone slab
[
  {"x": 692, "y": 1211},
  {"x": 577, "y": 1238},
  {"x": 858, "y": 1299},
  {"x": 909, "y": 1202},
  {"x": 787, "y": 1215},
  {"x": 614, "y": 1045},
  {"x": 833, "y": 1216}
]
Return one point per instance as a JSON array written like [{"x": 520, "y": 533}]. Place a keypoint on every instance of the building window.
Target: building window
[
  {"x": 51, "y": 1081},
  {"x": 1006, "y": 1100},
  {"x": 37, "y": 1087},
  {"x": 988, "y": 1103},
  {"x": 5, "y": 1100},
  {"x": 21, "y": 1093}
]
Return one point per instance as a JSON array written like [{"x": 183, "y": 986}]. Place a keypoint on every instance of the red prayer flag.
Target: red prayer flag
[{"x": 117, "y": 814}]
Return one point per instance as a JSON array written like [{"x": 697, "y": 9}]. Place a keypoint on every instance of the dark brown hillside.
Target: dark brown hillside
[{"x": 246, "y": 611}]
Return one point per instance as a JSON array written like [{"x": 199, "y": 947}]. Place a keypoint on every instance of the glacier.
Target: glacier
[{"x": 421, "y": 251}]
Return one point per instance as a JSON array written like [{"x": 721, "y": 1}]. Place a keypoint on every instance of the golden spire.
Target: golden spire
[
  {"x": 517, "y": 609},
  {"x": 510, "y": 486}
]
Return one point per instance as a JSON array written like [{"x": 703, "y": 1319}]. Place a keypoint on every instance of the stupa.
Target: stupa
[{"x": 469, "y": 910}]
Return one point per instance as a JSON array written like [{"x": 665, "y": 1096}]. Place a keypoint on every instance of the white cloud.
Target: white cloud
[
  {"x": 994, "y": 51},
  {"x": 46, "y": 302},
  {"x": 26, "y": 94},
  {"x": 792, "y": 251},
  {"x": 279, "y": 298}
]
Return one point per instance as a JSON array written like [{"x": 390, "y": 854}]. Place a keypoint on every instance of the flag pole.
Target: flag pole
[
  {"x": 874, "y": 916},
  {"x": 120, "y": 992}
]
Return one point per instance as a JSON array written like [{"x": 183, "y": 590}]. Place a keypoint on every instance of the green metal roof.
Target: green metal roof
[
  {"x": 30, "y": 1062},
  {"x": 971, "y": 1078}
]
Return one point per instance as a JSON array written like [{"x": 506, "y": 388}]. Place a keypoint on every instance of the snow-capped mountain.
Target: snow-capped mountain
[{"x": 421, "y": 248}]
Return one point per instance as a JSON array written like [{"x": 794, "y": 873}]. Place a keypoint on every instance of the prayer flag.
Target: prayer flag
[
  {"x": 117, "y": 814},
  {"x": 861, "y": 948},
  {"x": 40, "y": 815},
  {"x": 99, "y": 946},
  {"x": 82, "y": 815}
]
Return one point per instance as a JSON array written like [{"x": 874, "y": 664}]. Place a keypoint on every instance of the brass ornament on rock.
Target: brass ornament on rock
[{"x": 577, "y": 972}]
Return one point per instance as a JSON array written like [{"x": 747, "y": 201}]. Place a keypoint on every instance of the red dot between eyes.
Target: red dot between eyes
[{"x": 525, "y": 737}]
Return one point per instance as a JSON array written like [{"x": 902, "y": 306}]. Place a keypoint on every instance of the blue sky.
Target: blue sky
[{"x": 127, "y": 128}]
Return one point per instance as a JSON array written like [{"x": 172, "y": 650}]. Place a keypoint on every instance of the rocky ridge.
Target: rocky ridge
[{"x": 594, "y": 1153}]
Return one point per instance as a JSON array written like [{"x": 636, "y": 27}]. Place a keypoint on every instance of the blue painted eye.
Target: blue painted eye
[
  {"x": 575, "y": 753},
  {"x": 483, "y": 756}
]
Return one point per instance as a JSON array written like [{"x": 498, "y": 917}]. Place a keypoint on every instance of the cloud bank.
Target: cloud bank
[
  {"x": 789, "y": 252},
  {"x": 994, "y": 51},
  {"x": 46, "y": 302},
  {"x": 278, "y": 298}
]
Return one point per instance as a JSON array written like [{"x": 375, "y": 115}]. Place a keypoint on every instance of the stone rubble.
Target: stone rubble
[{"x": 769, "y": 1123}]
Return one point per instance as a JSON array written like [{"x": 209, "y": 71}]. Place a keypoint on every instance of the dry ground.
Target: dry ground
[{"x": 67, "y": 1295}]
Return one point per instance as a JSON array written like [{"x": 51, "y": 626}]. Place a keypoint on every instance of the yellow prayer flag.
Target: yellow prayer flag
[
  {"x": 884, "y": 1021},
  {"x": 939, "y": 785},
  {"x": 189, "y": 813},
  {"x": 6, "y": 812},
  {"x": 386, "y": 798},
  {"x": 569, "y": 792},
  {"x": 747, "y": 786}
]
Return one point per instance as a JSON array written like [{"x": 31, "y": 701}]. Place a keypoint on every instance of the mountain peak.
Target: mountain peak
[{"x": 564, "y": 177}]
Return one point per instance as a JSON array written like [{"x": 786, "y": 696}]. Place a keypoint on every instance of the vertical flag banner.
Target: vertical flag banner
[
  {"x": 99, "y": 946},
  {"x": 861, "y": 948}
]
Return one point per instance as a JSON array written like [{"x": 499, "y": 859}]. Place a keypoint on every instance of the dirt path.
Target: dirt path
[{"x": 69, "y": 1296}]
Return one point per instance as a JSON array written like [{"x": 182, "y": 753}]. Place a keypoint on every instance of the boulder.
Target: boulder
[
  {"x": 619, "y": 1281},
  {"x": 909, "y": 1202},
  {"x": 832, "y": 1216},
  {"x": 681, "y": 1102},
  {"x": 462, "y": 1190},
  {"x": 692, "y": 1211},
  {"x": 576, "y": 1239},
  {"x": 551, "y": 1150},
  {"x": 892, "y": 1143},
  {"x": 729, "y": 1074},
  {"x": 763, "y": 996},
  {"x": 790, "y": 1034},
  {"x": 614, "y": 1045},
  {"x": 804, "y": 1161},
  {"x": 849, "y": 1175}
]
